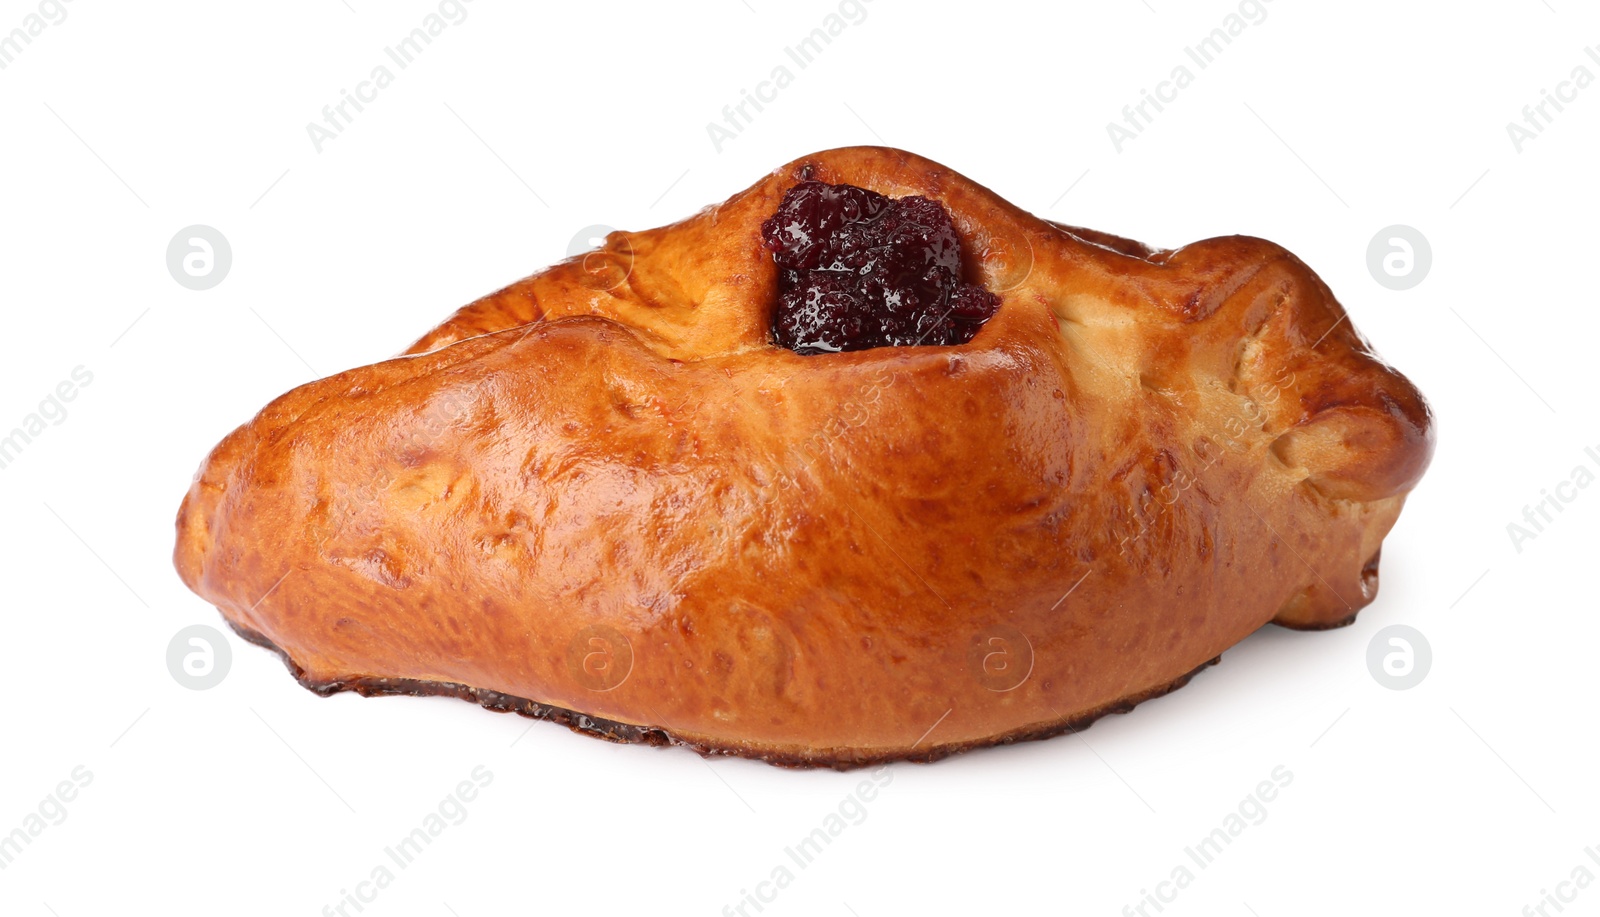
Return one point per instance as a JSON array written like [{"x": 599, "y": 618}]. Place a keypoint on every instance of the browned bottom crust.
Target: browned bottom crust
[
  {"x": 1318, "y": 626},
  {"x": 626, "y": 733}
]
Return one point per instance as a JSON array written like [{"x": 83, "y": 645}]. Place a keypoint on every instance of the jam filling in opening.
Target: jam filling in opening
[{"x": 857, "y": 269}]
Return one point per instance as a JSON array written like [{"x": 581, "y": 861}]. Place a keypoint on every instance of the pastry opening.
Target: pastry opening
[{"x": 858, "y": 269}]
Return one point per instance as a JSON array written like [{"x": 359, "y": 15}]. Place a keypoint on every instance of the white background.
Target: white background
[{"x": 527, "y": 122}]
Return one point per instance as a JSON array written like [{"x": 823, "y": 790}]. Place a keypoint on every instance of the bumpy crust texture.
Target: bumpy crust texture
[{"x": 603, "y": 496}]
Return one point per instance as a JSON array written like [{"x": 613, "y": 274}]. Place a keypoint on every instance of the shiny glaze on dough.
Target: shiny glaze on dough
[{"x": 811, "y": 558}]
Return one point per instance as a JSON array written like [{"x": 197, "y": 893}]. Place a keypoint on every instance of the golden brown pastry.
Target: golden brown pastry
[{"x": 605, "y": 495}]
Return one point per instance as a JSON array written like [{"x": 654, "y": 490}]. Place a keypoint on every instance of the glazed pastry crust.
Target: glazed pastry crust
[{"x": 827, "y": 559}]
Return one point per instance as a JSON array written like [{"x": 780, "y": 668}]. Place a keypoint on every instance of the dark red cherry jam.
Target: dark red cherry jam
[{"x": 857, "y": 269}]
